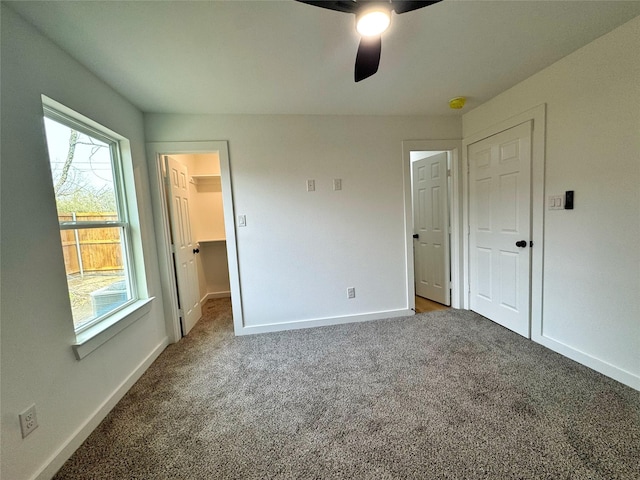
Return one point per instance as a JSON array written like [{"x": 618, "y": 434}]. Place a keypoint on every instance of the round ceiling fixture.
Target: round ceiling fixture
[{"x": 457, "y": 103}]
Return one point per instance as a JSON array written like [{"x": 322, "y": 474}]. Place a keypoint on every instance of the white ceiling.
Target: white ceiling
[{"x": 283, "y": 57}]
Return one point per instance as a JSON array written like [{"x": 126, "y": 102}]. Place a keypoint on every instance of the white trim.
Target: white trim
[
  {"x": 323, "y": 322},
  {"x": 161, "y": 220},
  {"x": 538, "y": 116},
  {"x": 70, "y": 445},
  {"x": 454, "y": 147},
  {"x": 214, "y": 295},
  {"x": 222, "y": 294},
  {"x": 85, "y": 123},
  {"x": 594, "y": 363},
  {"x": 90, "y": 339}
]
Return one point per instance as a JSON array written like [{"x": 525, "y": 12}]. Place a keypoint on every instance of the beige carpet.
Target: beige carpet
[{"x": 441, "y": 395}]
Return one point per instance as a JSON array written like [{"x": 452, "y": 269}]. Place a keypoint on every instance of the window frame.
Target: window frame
[{"x": 132, "y": 269}]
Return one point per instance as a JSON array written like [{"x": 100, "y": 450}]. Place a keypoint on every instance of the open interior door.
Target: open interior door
[
  {"x": 431, "y": 228},
  {"x": 184, "y": 247}
]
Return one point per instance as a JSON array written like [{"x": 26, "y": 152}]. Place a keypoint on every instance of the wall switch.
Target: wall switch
[
  {"x": 337, "y": 184},
  {"x": 555, "y": 202},
  {"x": 242, "y": 220},
  {"x": 28, "y": 420},
  {"x": 351, "y": 292},
  {"x": 311, "y": 185}
]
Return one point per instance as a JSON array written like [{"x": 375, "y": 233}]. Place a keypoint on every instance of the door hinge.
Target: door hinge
[
  {"x": 531, "y": 243},
  {"x": 173, "y": 248},
  {"x": 181, "y": 313}
]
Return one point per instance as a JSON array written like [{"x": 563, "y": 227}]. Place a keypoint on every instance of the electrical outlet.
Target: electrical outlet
[
  {"x": 28, "y": 420},
  {"x": 351, "y": 292},
  {"x": 311, "y": 185}
]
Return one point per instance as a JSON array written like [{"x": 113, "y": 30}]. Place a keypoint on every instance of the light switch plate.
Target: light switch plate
[
  {"x": 242, "y": 220},
  {"x": 311, "y": 185},
  {"x": 555, "y": 202}
]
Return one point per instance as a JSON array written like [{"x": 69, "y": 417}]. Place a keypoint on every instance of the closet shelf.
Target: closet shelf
[
  {"x": 204, "y": 178},
  {"x": 212, "y": 240}
]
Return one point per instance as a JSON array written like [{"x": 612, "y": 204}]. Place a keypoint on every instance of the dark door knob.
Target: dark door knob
[
  {"x": 196, "y": 250},
  {"x": 521, "y": 243},
  {"x": 415, "y": 235}
]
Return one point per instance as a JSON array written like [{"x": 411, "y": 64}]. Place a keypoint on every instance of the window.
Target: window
[{"x": 87, "y": 173}]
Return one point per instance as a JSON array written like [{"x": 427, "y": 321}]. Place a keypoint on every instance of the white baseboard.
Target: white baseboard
[
  {"x": 323, "y": 322},
  {"x": 587, "y": 360},
  {"x": 56, "y": 461},
  {"x": 212, "y": 295}
]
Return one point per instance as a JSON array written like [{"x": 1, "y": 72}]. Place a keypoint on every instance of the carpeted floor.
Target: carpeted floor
[{"x": 441, "y": 395}]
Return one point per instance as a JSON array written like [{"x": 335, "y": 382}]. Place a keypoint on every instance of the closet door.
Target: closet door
[
  {"x": 184, "y": 246},
  {"x": 500, "y": 227}
]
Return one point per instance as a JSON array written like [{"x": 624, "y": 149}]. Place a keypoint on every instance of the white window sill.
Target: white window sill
[{"x": 92, "y": 338}]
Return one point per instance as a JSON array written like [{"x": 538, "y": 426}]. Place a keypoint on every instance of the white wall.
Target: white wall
[
  {"x": 215, "y": 270},
  {"x": 591, "y": 296},
  {"x": 38, "y": 365},
  {"x": 301, "y": 250}
]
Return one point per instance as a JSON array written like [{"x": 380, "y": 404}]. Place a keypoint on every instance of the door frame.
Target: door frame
[
  {"x": 537, "y": 115},
  {"x": 454, "y": 147},
  {"x": 155, "y": 151}
]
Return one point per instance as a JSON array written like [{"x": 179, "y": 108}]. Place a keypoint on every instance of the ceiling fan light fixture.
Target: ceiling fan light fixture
[{"x": 373, "y": 22}]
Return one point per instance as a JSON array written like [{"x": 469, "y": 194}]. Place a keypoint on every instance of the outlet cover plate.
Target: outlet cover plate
[
  {"x": 311, "y": 185},
  {"x": 28, "y": 420}
]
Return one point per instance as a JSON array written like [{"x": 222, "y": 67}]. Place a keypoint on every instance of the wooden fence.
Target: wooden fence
[{"x": 91, "y": 250}]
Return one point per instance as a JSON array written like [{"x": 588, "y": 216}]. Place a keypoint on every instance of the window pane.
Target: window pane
[
  {"x": 96, "y": 272},
  {"x": 81, "y": 169}
]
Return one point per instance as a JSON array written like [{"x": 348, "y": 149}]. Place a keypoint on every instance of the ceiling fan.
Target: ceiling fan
[{"x": 372, "y": 18}]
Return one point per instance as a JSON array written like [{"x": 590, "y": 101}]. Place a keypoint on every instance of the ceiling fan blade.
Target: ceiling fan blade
[
  {"x": 346, "y": 6},
  {"x": 368, "y": 57},
  {"x": 403, "y": 6}
]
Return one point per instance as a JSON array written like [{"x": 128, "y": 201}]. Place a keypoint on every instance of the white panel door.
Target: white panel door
[
  {"x": 500, "y": 227},
  {"x": 431, "y": 226},
  {"x": 183, "y": 243}
]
